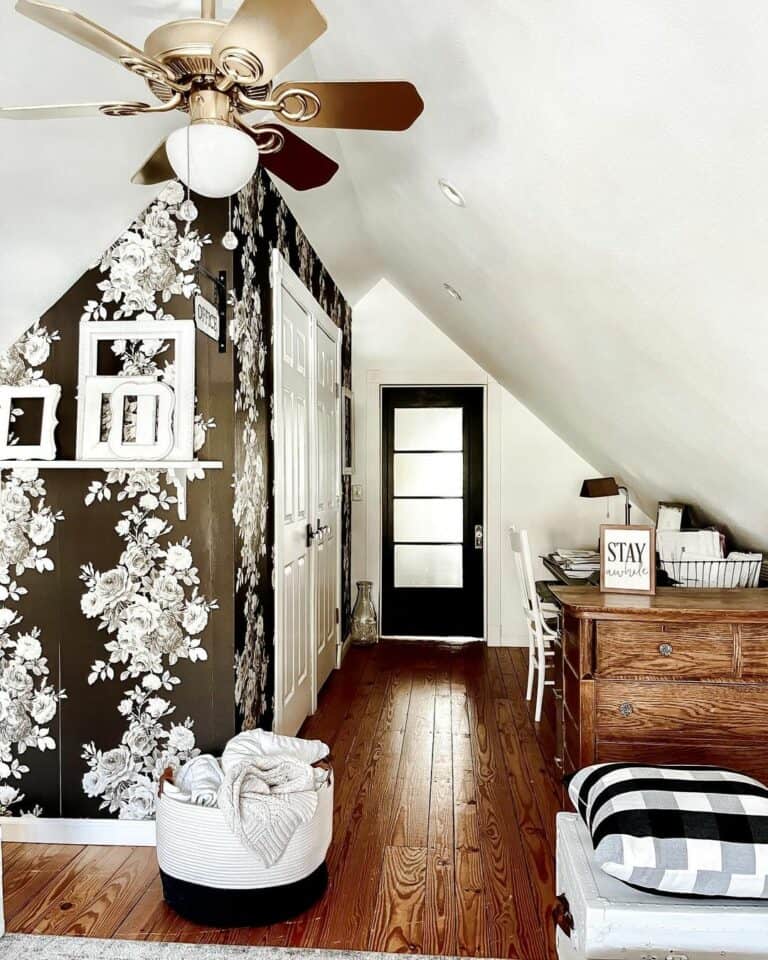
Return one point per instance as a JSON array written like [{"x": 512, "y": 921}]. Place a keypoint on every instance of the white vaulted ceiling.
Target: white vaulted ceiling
[{"x": 613, "y": 252}]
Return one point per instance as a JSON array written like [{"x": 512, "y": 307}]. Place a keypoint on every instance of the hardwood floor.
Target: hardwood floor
[{"x": 444, "y": 823}]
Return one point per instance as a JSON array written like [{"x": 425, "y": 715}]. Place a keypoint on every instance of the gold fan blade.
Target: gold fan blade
[
  {"x": 264, "y": 36},
  {"x": 156, "y": 169},
  {"x": 84, "y": 31},
  {"x": 351, "y": 105},
  {"x": 297, "y": 162},
  {"x": 115, "y": 108}
]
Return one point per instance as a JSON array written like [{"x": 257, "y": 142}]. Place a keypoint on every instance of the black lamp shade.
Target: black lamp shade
[{"x": 600, "y": 487}]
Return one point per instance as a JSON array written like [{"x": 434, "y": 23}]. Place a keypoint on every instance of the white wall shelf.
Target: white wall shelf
[
  {"x": 114, "y": 464},
  {"x": 177, "y": 468}
]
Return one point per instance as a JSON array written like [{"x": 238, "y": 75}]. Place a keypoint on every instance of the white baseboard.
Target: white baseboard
[
  {"x": 512, "y": 642},
  {"x": 344, "y": 650},
  {"x": 124, "y": 833}
]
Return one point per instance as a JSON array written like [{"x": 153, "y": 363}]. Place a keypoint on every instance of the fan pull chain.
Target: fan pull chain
[
  {"x": 188, "y": 210},
  {"x": 229, "y": 240}
]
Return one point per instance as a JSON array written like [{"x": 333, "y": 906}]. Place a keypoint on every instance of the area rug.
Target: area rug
[{"x": 16, "y": 946}]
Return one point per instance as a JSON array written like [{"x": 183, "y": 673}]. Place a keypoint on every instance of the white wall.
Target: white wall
[{"x": 539, "y": 475}]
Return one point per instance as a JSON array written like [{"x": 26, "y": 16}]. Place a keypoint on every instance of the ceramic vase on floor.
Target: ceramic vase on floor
[{"x": 365, "y": 626}]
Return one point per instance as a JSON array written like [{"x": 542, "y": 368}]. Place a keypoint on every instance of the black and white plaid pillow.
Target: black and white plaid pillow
[{"x": 687, "y": 830}]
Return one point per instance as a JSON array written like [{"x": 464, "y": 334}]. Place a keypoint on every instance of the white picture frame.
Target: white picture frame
[
  {"x": 96, "y": 390},
  {"x": 182, "y": 334},
  {"x": 154, "y": 423},
  {"x": 50, "y": 394},
  {"x": 627, "y": 559}
]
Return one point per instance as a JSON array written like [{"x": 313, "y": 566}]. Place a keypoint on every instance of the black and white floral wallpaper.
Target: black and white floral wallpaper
[
  {"x": 117, "y": 660},
  {"x": 263, "y": 223}
]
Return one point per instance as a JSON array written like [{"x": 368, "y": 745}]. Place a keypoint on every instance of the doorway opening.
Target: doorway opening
[{"x": 432, "y": 574}]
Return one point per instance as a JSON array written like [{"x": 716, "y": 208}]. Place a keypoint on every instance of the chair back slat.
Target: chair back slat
[{"x": 525, "y": 577}]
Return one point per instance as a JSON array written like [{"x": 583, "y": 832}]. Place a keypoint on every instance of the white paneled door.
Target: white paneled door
[{"x": 307, "y": 499}]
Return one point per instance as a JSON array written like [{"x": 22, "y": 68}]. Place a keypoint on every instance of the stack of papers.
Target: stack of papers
[{"x": 579, "y": 564}]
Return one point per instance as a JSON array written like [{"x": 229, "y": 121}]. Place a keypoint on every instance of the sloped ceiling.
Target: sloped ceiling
[{"x": 612, "y": 254}]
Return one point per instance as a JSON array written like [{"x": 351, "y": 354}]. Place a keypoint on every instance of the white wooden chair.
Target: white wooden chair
[{"x": 541, "y": 636}]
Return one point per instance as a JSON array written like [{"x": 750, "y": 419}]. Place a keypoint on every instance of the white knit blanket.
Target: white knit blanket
[
  {"x": 198, "y": 781},
  {"x": 269, "y": 789}
]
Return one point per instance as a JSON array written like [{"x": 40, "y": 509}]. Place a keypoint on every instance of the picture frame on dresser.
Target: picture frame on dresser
[{"x": 628, "y": 559}]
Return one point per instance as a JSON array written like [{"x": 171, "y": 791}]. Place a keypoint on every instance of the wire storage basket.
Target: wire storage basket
[{"x": 727, "y": 574}]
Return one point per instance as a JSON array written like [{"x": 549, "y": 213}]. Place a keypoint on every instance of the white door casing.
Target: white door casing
[
  {"x": 307, "y": 497},
  {"x": 327, "y": 463}
]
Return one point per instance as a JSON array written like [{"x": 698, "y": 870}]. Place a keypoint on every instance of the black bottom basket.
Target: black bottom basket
[{"x": 243, "y": 908}]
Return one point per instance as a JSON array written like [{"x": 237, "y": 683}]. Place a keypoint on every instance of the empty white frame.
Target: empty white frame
[
  {"x": 180, "y": 333},
  {"x": 153, "y": 427},
  {"x": 50, "y": 394},
  {"x": 94, "y": 415}
]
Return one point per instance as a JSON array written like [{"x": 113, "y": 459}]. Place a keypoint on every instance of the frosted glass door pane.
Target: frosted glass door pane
[
  {"x": 422, "y": 566},
  {"x": 428, "y": 428},
  {"x": 429, "y": 475},
  {"x": 434, "y": 521}
]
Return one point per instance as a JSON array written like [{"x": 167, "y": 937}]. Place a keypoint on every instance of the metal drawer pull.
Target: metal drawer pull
[
  {"x": 665, "y": 649},
  {"x": 625, "y": 709}
]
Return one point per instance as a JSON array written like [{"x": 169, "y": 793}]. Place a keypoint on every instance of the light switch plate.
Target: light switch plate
[{"x": 357, "y": 491}]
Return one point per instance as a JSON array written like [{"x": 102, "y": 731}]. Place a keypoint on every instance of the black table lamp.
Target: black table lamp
[{"x": 606, "y": 487}]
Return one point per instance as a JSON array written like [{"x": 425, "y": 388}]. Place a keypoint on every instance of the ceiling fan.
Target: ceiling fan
[{"x": 220, "y": 74}]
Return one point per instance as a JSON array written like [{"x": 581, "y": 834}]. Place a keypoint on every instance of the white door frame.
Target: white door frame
[
  {"x": 281, "y": 274},
  {"x": 322, "y": 320},
  {"x": 492, "y": 462}
]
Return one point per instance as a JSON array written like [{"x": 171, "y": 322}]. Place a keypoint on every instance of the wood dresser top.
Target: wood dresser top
[{"x": 669, "y": 603}]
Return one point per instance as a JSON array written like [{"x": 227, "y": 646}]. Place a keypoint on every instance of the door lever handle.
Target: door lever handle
[{"x": 318, "y": 534}]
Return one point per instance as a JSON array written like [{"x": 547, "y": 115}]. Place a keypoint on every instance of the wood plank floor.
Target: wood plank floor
[{"x": 443, "y": 834}]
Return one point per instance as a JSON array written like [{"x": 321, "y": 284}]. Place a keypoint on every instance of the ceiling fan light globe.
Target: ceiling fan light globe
[{"x": 220, "y": 160}]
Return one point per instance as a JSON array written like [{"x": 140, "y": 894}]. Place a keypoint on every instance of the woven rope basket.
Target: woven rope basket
[{"x": 194, "y": 844}]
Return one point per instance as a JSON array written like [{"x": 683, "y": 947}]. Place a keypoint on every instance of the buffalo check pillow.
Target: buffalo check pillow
[{"x": 685, "y": 830}]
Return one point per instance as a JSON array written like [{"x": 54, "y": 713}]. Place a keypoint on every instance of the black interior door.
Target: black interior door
[{"x": 432, "y": 547}]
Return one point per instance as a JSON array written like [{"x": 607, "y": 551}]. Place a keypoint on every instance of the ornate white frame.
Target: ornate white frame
[
  {"x": 89, "y": 413},
  {"x": 50, "y": 394},
  {"x": 182, "y": 333},
  {"x": 138, "y": 449}
]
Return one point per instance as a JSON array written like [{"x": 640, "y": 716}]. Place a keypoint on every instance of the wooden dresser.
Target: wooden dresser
[{"x": 681, "y": 677}]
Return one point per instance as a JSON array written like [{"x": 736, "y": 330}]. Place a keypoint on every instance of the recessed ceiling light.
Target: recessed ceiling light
[
  {"x": 452, "y": 291},
  {"x": 451, "y": 193}
]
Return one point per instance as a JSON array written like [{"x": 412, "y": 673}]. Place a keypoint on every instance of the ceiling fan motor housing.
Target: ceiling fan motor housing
[{"x": 185, "y": 47}]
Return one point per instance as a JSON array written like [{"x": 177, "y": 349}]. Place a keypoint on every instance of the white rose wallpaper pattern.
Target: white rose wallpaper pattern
[{"x": 130, "y": 640}]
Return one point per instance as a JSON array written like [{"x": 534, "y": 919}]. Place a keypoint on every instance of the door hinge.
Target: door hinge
[
  {"x": 336, "y": 390},
  {"x": 337, "y": 614}
]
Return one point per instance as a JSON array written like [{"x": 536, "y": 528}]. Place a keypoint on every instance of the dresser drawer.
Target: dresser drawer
[
  {"x": 687, "y": 651},
  {"x": 675, "y": 712},
  {"x": 754, "y": 650}
]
